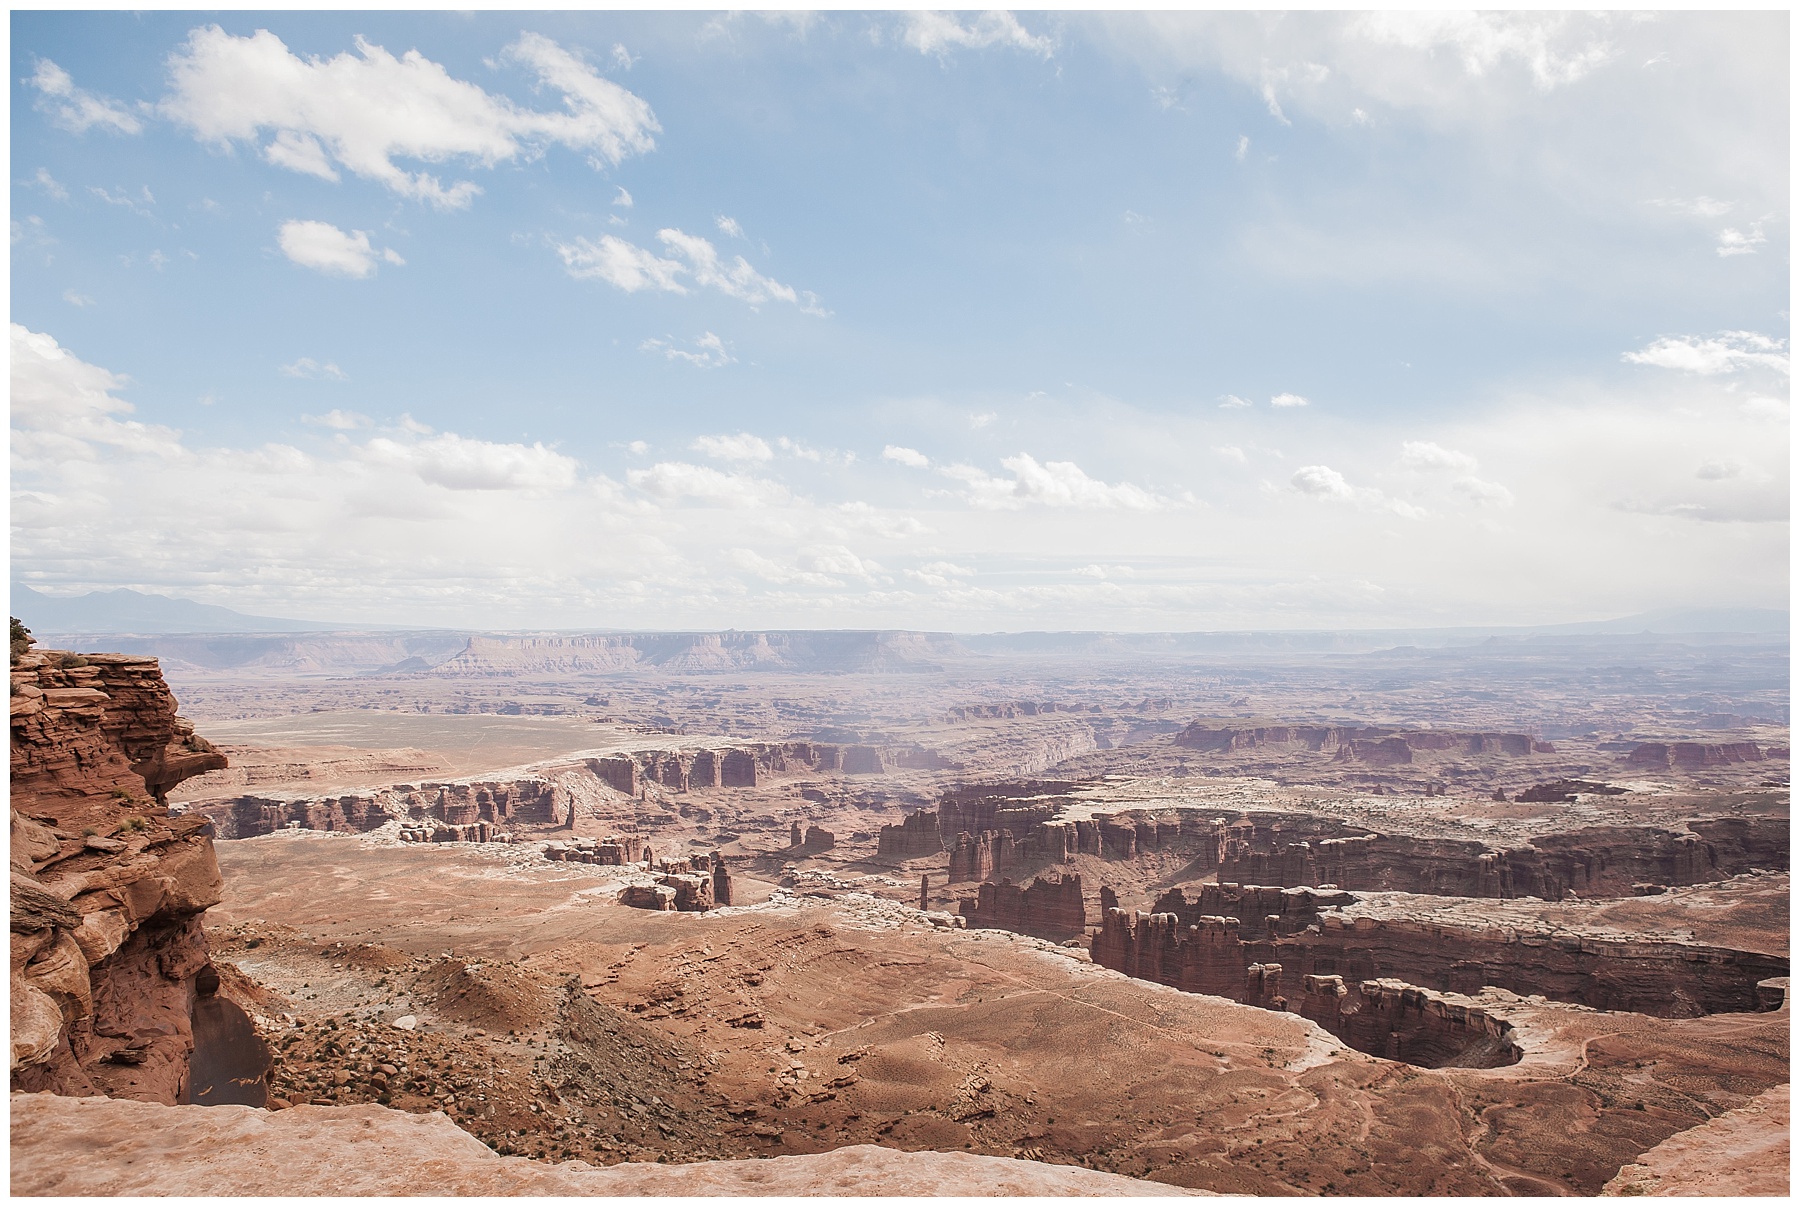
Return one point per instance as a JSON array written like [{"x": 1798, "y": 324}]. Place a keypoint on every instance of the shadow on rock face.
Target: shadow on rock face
[{"x": 230, "y": 1064}]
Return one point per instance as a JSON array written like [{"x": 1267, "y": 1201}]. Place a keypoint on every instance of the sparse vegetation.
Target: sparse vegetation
[{"x": 22, "y": 640}]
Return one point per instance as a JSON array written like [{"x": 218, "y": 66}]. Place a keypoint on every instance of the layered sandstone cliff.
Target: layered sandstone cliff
[
  {"x": 1048, "y": 908},
  {"x": 107, "y": 886},
  {"x": 1328, "y": 933}
]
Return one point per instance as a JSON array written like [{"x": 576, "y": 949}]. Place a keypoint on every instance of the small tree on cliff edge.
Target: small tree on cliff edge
[{"x": 22, "y": 639}]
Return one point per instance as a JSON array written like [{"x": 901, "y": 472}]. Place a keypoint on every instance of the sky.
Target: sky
[{"x": 972, "y": 321}]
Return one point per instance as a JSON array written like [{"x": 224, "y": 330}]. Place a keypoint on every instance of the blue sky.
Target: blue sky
[{"x": 974, "y": 321}]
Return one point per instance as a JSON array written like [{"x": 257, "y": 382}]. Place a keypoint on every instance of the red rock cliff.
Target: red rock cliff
[{"x": 107, "y": 886}]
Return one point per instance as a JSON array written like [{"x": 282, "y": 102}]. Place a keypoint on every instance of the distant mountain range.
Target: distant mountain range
[{"x": 123, "y": 612}]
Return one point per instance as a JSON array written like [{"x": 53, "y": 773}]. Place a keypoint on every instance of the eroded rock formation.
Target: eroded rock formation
[
  {"x": 1048, "y": 908},
  {"x": 107, "y": 887},
  {"x": 1693, "y": 756},
  {"x": 1314, "y": 934}
]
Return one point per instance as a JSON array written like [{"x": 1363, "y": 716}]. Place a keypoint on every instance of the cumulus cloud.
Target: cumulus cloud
[
  {"x": 1423, "y": 454},
  {"x": 1734, "y": 242},
  {"x": 1288, "y": 400},
  {"x": 362, "y": 112},
  {"x": 1454, "y": 471},
  {"x": 1726, "y": 352},
  {"x": 708, "y": 351},
  {"x": 460, "y": 463},
  {"x": 1328, "y": 485},
  {"x": 1231, "y": 402},
  {"x": 939, "y": 573},
  {"x": 938, "y": 33},
  {"x": 1051, "y": 484},
  {"x": 741, "y": 447},
  {"x": 339, "y": 421},
  {"x": 1322, "y": 482},
  {"x": 75, "y": 108},
  {"x": 675, "y": 481},
  {"x": 633, "y": 268},
  {"x": 307, "y": 367},
  {"x": 324, "y": 248},
  {"x": 64, "y": 407},
  {"x": 905, "y": 456}
]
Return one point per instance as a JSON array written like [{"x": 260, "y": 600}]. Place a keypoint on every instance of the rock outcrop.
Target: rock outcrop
[
  {"x": 1377, "y": 746},
  {"x": 1692, "y": 756},
  {"x": 1049, "y": 909},
  {"x": 1321, "y": 933},
  {"x": 916, "y": 837},
  {"x": 500, "y": 804},
  {"x": 108, "y": 887},
  {"x": 88, "y": 1146},
  {"x": 1743, "y": 1153}
]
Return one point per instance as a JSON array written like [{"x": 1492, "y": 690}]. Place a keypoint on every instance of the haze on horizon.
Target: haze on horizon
[{"x": 952, "y": 322}]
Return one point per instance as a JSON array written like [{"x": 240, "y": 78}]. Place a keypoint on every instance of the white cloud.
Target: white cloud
[
  {"x": 905, "y": 456},
  {"x": 631, "y": 268},
  {"x": 623, "y": 199},
  {"x": 1322, "y": 482},
  {"x": 1231, "y": 402},
  {"x": 325, "y": 248},
  {"x": 673, "y": 481},
  {"x": 708, "y": 351},
  {"x": 741, "y": 447},
  {"x": 776, "y": 572},
  {"x": 339, "y": 421},
  {"x": 77, "y": 299},
  {"x": 1698, "y": 207},
  {"x": 361, "y": 112},
  {"x": 638, "y": 448},
  {"x": 1327, "y": 484},
  {"x": 139, "y": 204},
  {"x": 63, "y": 407},
  {"x": 982, "y": 419},
  {"x": 624, "y": 58},
  {"x": 75, "y": 108},
  {"x": 729, "y": 226},
  {"x": 1726, "y": 352},
  {"x": 43, "y": 180},
  {"x": 1243, "y": 148},
  {"x": 939, "y": 573},
  {"x": 939, "y": 32},
  {"x": 619, "y": 263},
  {"x": 307, "y": 367},
  {"x": 460, "y": 463},
  {"x": 1539, "y": 42},
  {"x": 837, "y": 559},
  {"x": 1231, "y": 452},
  {"x": 1716, "y": 471},
  {"x": 1423, "y": 454},
  {"x": 1740, "y": 243},
  {"x": 1288, "y": 400},
  {"x": 1051, "y": 484}
]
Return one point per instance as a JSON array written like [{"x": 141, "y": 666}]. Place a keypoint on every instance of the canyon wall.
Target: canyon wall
[
  {"x": 1018, "y": 829},
  {"x": 1378, "y": 746},
  {"x": 108, "y": 888},
  {"x": 1049, "y": 909},
  {"x": 1312, "y": 936}
]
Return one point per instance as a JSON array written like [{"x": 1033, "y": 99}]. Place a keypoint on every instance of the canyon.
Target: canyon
[{"x": 688, "y": 909}]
